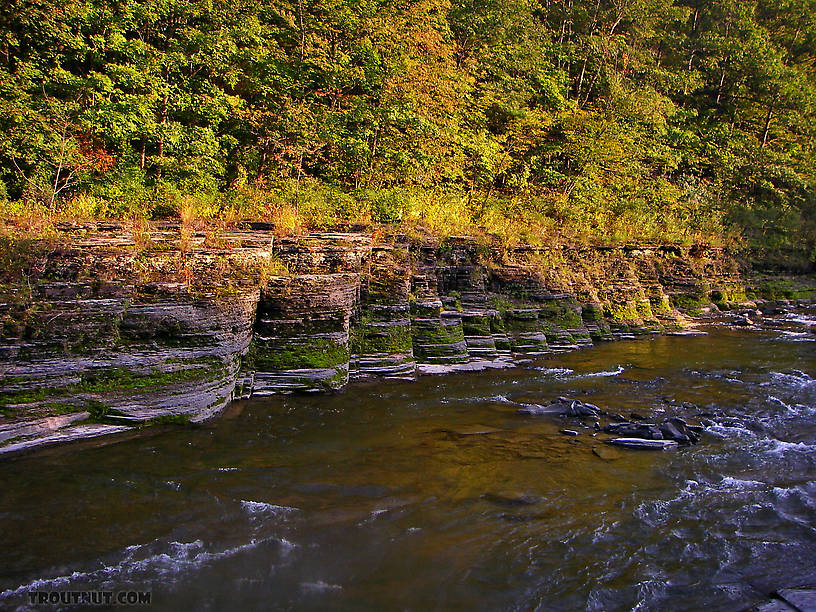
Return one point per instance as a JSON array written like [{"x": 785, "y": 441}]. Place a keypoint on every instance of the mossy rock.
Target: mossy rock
[
  {"x": 113, "y": 380},
  {"x": 295, "y": 354},
  {"x": 477, "y": 325},
  {"x": 660, "y": 304},
  {"x": 689, "y": 302},
  {"x": 502, "y": 343},
  {"x": 367, "y": 339},
  {"x": 621, "y": 313},
  {"x": 437, "y": 334},
  {"x": 565, "y": 316},
  {"x": 644, "y": 309},
  {"x": 592, "y": 312}
]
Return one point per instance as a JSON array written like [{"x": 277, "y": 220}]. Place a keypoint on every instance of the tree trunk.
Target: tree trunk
[{"x": 767, "y": 127}]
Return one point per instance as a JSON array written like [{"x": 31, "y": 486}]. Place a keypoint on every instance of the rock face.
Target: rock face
[
  {"x": 112, "y": 334},
  {"x": 129, "y": 327}
]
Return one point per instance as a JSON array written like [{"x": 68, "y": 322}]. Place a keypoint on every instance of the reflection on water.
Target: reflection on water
[{"x": 438, "y": 495}]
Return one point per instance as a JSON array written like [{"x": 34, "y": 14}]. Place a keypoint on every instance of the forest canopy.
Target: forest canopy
[{"x": 590, "y": 119}]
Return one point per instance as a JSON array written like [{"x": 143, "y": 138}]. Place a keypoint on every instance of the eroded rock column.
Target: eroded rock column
[{"x": 302, "y": 327}]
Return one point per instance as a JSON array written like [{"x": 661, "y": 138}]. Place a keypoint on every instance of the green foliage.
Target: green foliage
[{"x": 534, "y": 121}]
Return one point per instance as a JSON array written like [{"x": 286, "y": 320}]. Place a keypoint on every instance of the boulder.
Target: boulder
[
  {"x": 648, "y": 431},
  {"x": 678, "y": 430},
  {"x": 580, "y": 409}
]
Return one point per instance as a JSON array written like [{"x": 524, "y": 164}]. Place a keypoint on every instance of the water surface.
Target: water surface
[{"x": 437, "y": 495}]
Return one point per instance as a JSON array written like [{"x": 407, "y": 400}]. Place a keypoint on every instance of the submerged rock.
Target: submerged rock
[
  {"x": 606, "y": 453},
  {"x": 470, "y": 430},
  {"x": 511, "y": 499}
]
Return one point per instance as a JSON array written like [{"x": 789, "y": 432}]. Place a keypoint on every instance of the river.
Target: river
[{"x": 438, "y": 495}]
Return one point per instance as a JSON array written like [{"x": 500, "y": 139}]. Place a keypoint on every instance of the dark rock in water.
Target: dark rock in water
[
  {"x": 641, "y": 443},
  {"x": 770, "y": 309},
  {"x": 511, "y": 499},
  {"x": 773, "y": 605},
  {"x": 743, "y": 321},
  {"x": 756, "y": 427},
  {"x": 801, "y": 599},
  {"x": 788, "y": 600},
  {"x": 671, "y": 431},
  {"x": 564, "y": 406},
  {"x": 674, "y": 428},
  {"x": 648, "y": 431},
  {"x": 579, "y": 409}
]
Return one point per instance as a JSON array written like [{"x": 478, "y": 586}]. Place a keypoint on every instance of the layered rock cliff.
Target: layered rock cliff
[{"x": 117, "y": 328}]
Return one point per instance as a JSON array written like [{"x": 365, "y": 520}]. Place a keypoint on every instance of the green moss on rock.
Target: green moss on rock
[
  {"x": 366, "y": 339},
  {"x": 561, "y": 315},
  {"x": 689, "y": 302},
  {"x": 272, "y": 356},
  {"x": 622, "y": 312}
]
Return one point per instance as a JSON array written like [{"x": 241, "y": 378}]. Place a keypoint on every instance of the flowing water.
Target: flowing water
[{"x": 437, "y": 495}]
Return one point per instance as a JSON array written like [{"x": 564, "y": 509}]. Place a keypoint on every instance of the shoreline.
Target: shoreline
[{"x": 104, "y": 337}]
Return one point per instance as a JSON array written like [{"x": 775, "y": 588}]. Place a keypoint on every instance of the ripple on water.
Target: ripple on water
[
  {"x": 145, "y": 564},
  {"x": 254, "y": 508},
  {"x": 602, "y": 374},
  {"x": 796, "y": 378}
]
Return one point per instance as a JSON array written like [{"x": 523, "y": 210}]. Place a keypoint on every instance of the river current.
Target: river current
[{"x": 437, "y": 495}]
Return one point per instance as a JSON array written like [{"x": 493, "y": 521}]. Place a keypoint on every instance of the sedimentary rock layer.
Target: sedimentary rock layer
[{"x": 124, "y": 328}]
